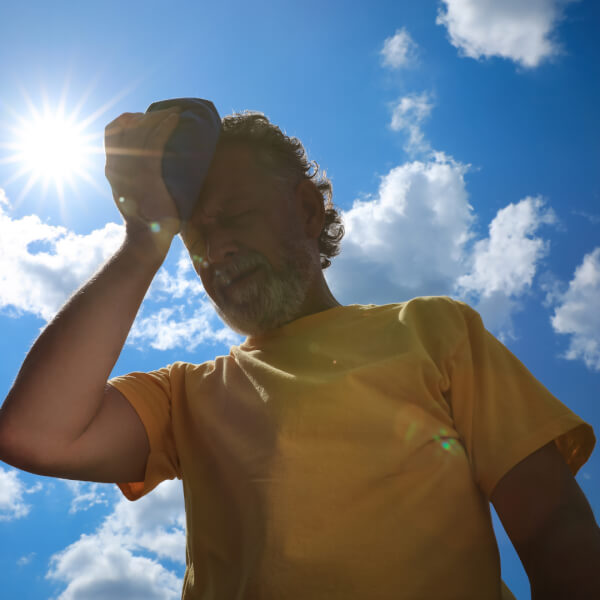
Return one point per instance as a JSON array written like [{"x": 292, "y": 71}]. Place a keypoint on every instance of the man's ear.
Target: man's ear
[{"x": 310, "y": 205}]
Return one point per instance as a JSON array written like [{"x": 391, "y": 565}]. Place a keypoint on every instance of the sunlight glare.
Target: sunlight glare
[{"x": 52, "y": 147}]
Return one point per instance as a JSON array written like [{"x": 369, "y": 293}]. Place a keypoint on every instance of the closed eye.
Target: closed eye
[{"x": 228, "y": 220}]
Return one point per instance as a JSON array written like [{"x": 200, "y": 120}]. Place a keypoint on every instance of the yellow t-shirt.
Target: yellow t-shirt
[{"x": 348, "y": 454}]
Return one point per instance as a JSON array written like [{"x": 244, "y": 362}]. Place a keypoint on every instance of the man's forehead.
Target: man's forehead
[
  {"x": 230, "y": 163},
  {"x": 232, "y": 176},
  {"x": 231, "y": 160}
]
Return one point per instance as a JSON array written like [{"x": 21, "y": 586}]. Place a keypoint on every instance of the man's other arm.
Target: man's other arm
[
  {"x": 60, "y": 418},
  {"x": 552, "y": 527}
]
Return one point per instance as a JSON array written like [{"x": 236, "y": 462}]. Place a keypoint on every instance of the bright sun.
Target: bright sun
[{"x": 51, "y": 147}]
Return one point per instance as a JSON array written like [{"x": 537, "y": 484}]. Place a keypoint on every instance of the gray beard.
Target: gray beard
[{"x": 272, "y": 301}]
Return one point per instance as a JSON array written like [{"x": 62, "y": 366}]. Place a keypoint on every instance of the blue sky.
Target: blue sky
[{"x": 462, "y": 141}]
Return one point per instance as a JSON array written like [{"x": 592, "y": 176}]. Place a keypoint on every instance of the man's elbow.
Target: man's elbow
[
  {"x": 12, "y": 451},
  {"x": 19, "y": 448}
]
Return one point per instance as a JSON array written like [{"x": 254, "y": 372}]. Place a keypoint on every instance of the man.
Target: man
[{"x": 340, "y": 451}]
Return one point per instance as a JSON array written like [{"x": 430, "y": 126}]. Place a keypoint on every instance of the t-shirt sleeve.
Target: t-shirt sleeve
[
  {"x": 502, "y": 412},
  {"x": 151, "y": 397}
]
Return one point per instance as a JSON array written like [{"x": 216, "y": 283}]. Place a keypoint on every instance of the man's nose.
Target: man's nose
[{"x": 219, "y": 245}]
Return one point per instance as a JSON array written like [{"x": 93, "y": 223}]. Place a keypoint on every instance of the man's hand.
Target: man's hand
[{"x": 134, "y": 144}]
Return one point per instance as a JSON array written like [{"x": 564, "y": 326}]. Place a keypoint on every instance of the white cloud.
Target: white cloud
[
  {"x": 592, "y": 218},
  {"x": 408, "y": 116},
  {"x": 409, "y": 239},
  {"x": 578, "y": 313},
  {"x": 522, "y": 31},
  {"x": 506, "y": 261},
  {"x": 187, "y": 319},
  {"x": 110, "y": 562},
  {"x": 25, "y": 560},
  {"x": 172, "y": 327},
  {"x": 503, "y": 265},
  {"x": 400, "y": 50},
  {"x": 12, "y": 492},
  {"x": 86, "y": 494},
  {"x": 182, "y": 283},
  {"x": 41, "y": 265},
  {"x": 39, "y": 282},
  {"x": 94, "y": 569},
  {"x": 412, "y": 238},
  {"x": 155, "y": 523}
]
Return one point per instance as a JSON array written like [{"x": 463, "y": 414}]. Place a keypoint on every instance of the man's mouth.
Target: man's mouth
[
  {"x": 227, "y": 281},
  {"x": 244, "y": 276}
]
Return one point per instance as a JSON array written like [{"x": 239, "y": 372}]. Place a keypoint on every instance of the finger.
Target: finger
[
  {"x": 140, "y": 128},
  {"x": 157, "y": 138},
  {"x": 150, "y": 131},
  {"x": 121, "y": 121},
  {"x": 154, "y": 117},
  {"x": 135, "y": 120},
  {"x": 114, "y": 130},
  {"x": 140, "y": 134}
]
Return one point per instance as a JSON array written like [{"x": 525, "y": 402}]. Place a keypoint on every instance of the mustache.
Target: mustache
[{"x": 224, "y": 275}]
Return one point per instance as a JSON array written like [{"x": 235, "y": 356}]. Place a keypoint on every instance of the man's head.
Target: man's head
[{"x": 264, "y": 228}]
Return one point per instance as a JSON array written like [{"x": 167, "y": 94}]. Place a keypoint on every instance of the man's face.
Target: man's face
[{"x": 248, "y": 244}]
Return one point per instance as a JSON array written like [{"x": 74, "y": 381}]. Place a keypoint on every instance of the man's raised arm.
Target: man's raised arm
[{"x": 60, "y": 418}]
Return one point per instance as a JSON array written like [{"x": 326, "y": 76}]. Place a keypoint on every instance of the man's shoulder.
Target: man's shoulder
[
  {"x": 433, "y": 325},
  {"x": 434, "y": 320},
  {"x": 172, "y": 371},
  {"x": 425, "y": 307},
  {"x": 426, "y": 316}
]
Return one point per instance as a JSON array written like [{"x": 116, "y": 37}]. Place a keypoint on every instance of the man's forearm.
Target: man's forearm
[
  {"x": 576, "y": 572},
  {"x": 61, "y": 383},
  {"x": 584, "y": 587}
]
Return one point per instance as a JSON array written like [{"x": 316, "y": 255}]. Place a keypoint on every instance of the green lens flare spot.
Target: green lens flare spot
[
  {"x": 200, "y": 260},
  {"x": 154, "y": 227},
  {"x": 121, "y": 200}
]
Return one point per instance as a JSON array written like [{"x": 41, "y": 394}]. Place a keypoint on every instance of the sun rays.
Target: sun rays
[
  {"x": 55, "y": 146},
  {"x": 50, "y": 146}
]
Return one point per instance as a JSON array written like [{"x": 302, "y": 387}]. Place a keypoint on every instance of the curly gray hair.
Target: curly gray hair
[{"x": 286, "y": 157}]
